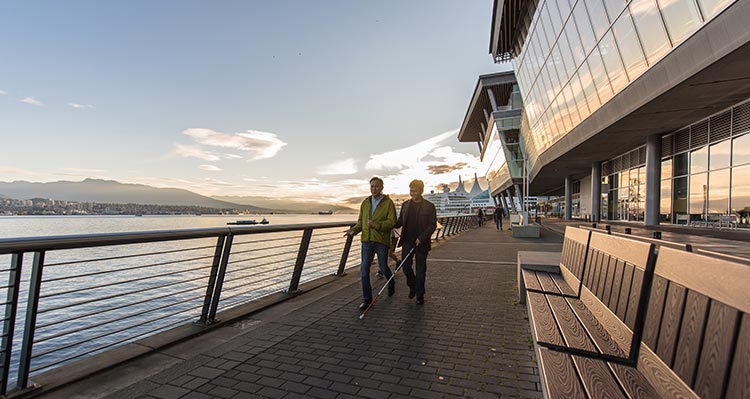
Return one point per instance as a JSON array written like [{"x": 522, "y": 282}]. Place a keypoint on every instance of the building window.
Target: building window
[
  {"x": 712, "y": 7},
  {"x": 719, "y": 155},
  {"x": 741, "y": 192},
  {"x": 680, "y": 164},
  {"x": 630, "y": 49},
  {"x": 650, "y": 29},
  {"x": 741, "y": 150},
  {"x": 665, "y": 206},
  {"x": 681, "y": 17},
  {"x": 699, "y": 160},
  {"x": 666, "y": 169},
  {"x": 679, "y": 200},
  {"x": 718, "y": 197},
  {"x": 698, "y": 196}
]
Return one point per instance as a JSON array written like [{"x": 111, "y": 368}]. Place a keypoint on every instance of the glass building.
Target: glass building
[{"x": 638, "y": 106}]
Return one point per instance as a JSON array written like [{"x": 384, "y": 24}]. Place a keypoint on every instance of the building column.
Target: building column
[
  {"x": 653, "y": 179},
  {"x": 512, "y": 202},
  {"x": 596, "y": 191},
  {"x": 519, "y": 195},
  {"x": 568, "y": 197}
]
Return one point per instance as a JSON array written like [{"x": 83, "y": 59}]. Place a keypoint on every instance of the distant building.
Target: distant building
[{"x": 461, "y": 201}]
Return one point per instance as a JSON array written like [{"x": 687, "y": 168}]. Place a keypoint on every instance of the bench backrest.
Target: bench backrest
[
  {"x": 698, "y": 322},
  {"x": 618, "y": 273},
  {"x": 658, "y": 243},
  {"x": 573, "y": 255}
]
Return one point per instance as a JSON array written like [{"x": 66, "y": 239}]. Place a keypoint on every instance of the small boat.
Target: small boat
[
  {"x": 325, "y": 212},
  {"x": 249, "y": 222}
]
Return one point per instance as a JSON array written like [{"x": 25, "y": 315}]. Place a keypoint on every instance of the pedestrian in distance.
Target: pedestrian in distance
[
  {"x": 480, "y": 217},
  {"x": 377, "y": 215},
  {"x": 499, "y": 218},
  {"x": 417, "y": 219}
]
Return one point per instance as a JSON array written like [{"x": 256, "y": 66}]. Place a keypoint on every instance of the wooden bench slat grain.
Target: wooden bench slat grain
[
  {"x": 670, "y": 323},
  {"x": 604, "y": 342},
  {"x": 654, "y": 314},
  {"x": 716, "y": 353},
  {"x": 661, "y": 377},
  {"x": 562, "y": 285},
  {"x": 633, "y": 382},
  {"x": 529, "y": 278},
  {"x": 597, "y": 378},
  {"x": 547, "y": 284},
  {"x": 614, "y": 296},
  {"x": 691, "y": 331},
  {"x": 545, "y": 327},
  {"x": 572, "y": 330},
  {"x": 739, "y": 383},
  {"x": 560, "y": 378},
  {"x": 622, "y": 298}
]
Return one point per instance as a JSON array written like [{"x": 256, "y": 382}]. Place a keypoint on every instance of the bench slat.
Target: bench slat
[
  {"x": 614, "y": 296},
  {"x": 686, "y": 358},
  {"x": 634, "y": 298},
  {"x": 631, "y": 251},
  {"x": 597, "y": 378},
  {"x": 633, "y": 382},
  {"x": 545, "y": 327},
  {"x": 562, "y": 285},
  {"x": 624, "y": 294},
  {"x": 670, "y": 324},
  {"x": 559, "y": 375},
  {"x": 529, "y": 278},
  {"x": 596, "y": 330},
  {"x": 572, "y": 330},
  {"x": 661, "y": 377},
  {"x": 547, "y": 284},
  {"x": 717, "y": 350},
  {"x": 654, "y": 313},
  {"x": 739, "y": 384}
]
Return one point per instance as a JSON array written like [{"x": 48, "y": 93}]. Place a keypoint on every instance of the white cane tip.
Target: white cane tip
[{"x": 361, "y": 316}]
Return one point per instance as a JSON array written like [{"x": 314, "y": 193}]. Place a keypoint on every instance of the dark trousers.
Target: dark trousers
[
  {"x": 369, "y": 249},
  {"x": 499, "y": 222},
  {"x": 416, "y": 281}
]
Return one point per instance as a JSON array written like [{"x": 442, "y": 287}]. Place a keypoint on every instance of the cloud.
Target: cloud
[
  {"x": 3, "y": 92},
  {"x": 405, "y": 157},
  {"x": 80, "y": 106},
  {"x": 32, "y": 101},
  {"x": 83, "y": 170},
  {"x": 195, "y": 152},
  {"x": 232, "y": 156},
  {"x": 344, "y": 167},
  {"x": 258, "y": 145},
  {"x": 442, "y": 169},
  {"x": 215, "y": 182},
  {"x": 210, "y": 168}
]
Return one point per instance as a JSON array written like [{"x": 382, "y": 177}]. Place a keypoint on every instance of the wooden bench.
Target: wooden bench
[
  {"x": 620, "y": 336},
  {"x": 658, "y": 243}
]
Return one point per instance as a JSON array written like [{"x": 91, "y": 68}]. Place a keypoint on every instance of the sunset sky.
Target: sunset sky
[{"x": 304, "y": 99}]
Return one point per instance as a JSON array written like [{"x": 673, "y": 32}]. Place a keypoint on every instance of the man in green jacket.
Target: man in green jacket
[{"x": 377, "y": 215}]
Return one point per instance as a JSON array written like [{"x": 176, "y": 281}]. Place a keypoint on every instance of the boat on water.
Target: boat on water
[
  {"x": 325, "y": 212},
  {"x": 249, "y": 222}
]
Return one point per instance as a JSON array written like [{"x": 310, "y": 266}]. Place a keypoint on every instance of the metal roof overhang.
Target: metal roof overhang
[
  {"x": 507, "y": 24},
  {"x": 707, "y": 73},
  {"x": 502, "y": 85}
]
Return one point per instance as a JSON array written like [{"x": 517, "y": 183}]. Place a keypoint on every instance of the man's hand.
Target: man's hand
[
  {"x": 348, "y": 233},
  {"x": 416, "y": 243}
]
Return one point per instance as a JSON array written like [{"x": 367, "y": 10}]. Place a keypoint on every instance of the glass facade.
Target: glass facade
[
  {"x": 580, "y": 53},
  {"x": 705, "y": 174}
]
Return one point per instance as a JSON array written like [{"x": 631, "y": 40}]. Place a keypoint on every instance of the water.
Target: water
[{"x": 93, "y": 299}]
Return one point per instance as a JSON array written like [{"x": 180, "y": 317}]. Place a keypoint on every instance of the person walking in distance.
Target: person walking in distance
[
  {"x": 499, "y": 218},
  {"x": 417, "y": 220},
  {"x": 480, "y": 216},
  {"x": 377, "y": 215}
]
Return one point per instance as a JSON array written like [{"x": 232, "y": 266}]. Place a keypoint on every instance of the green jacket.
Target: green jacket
[{"x": 383, "y": 221}]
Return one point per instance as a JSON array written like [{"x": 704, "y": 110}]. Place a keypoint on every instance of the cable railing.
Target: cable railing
[{"x": 71, "y": 297}]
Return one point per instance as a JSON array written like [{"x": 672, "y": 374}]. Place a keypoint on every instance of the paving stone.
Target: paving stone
[
  {"x": 169, "y": 392},
  {"x": 222, "y": 392}
]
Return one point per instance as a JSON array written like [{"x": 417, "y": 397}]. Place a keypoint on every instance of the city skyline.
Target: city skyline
[{"x": 242, "y": 98}]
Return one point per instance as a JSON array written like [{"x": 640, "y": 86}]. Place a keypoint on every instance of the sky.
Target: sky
[{"x": 303, "y": 99}]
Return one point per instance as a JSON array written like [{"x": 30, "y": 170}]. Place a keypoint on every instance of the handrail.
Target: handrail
[{"x": 162, "y": 286}]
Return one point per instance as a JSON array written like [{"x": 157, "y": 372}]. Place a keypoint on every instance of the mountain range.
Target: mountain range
[{"x": 110, "y": 191}]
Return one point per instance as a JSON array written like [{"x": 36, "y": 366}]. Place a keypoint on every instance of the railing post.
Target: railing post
[
  {"x": 301, "y": 256},
  {"x": 446, "y": 223},
  {"x": 35, "y": 285},
  {"x": 212, "y": 280},
  {"x": 220, "y": 274},
  {"x": 345, "y": 255},
  {"x": 9, "y": 326}
]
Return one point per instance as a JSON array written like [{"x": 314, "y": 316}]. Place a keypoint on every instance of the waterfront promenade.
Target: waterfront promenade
[{"x": 470, "y": 339}]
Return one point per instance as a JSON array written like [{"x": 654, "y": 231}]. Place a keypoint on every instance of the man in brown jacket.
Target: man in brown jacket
[{"x": 418, "y": 219}]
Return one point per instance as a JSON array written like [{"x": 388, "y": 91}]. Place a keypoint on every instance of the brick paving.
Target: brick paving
[{"x": 471, "y": 339}]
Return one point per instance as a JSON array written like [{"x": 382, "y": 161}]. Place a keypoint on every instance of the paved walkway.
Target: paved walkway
[{"x": 471, "y": 339}]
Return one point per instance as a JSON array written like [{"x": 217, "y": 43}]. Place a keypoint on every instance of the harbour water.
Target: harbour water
[{"x": 93, "y": 299}]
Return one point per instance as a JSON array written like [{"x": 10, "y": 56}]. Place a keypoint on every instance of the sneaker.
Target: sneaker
[
  {"x": 391, "y": 289},
  {"x": 420, "y": 301},
  {"x": 364, "y": 305},
  {"x": 411, "y": 292}
]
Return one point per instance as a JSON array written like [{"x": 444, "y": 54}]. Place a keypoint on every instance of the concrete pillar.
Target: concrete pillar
[
  {"x": 568, "y": 197},
  {"x": 653, "y": 179},
  {"x": 519, "y": 195},
  {"x": 512, "y": 202},
  {"x": 504, "y": 203},
  {"x": 596, "y": 191}
]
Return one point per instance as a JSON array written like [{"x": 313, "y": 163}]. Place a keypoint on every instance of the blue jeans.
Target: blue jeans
[{"x": 369, "y": 249}]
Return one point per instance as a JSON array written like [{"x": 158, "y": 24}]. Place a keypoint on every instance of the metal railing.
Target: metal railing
[{"x": 70, "y": 297}]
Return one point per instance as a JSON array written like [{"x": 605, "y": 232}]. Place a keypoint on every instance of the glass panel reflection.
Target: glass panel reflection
[
  {"x": 612, "y": 62},
  {"x": 627, "y": 41},
  {"x": 587, "y": 82},
  {"x": 681, "y": 164},
  {"x": 650, "y": 29},
  {"x": 698, "y": 196},
  {"x": 699, "y": 160},
  {"x": 614, "y": 7},
  {"x": 584, "y": 26},
  {"x": 666, "y": 169},
  {"x": 681, "y": 18},
  {"x": 741, "y": 150},
  {"x": 575, "y": 45},
  {"x": 598, "y": 17},
  {"x": 665, "y": 205},
  {"x": 719, "y": 155},
  {"x": 741, "y": 190},
  {"x": 599, "y": 74},
  {"x": 712, "y": 7},
  {"x": 679, "y": 199},
  {"x": 718, "y": 185}
]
